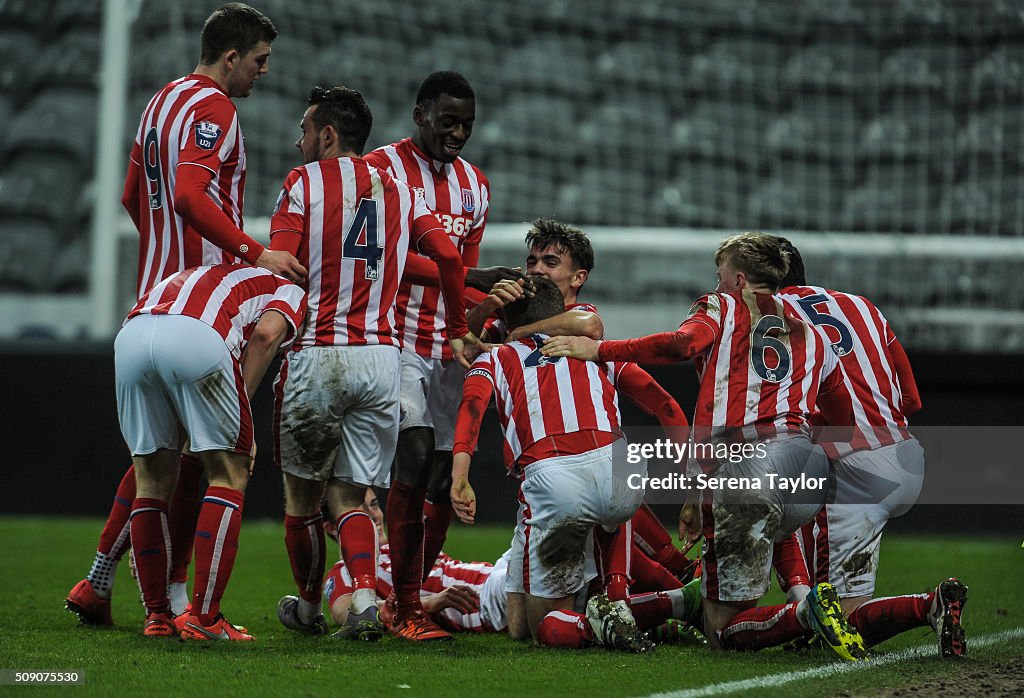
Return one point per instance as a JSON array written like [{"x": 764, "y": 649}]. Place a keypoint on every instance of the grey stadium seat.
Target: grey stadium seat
[
  {"x": 993, "y": 134},
  {"x": 554, "y": 65},
  {"x": 27, "y": 249},
  {"x": 719, "y": 129},
  {"x": 897, "y": 197},
  {"x": 999, "y": 75},
  {"x": 803, "y": 196},
  {"x": 820, "y": 127},
  {"x": 844, "y": 67},
  {"x": 915, "y": 127},
  {"x": 18, "y": 48},
  {"x": 704, "y": 195},
  {"x": 40, "y": 184},
  {"x": 56, "y": 120},
  {"x": 71, "y": 61}
]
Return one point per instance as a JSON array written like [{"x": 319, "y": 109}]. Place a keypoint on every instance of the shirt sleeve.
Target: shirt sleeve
[
  {"x": 290, "y": 301},
  {"x": 476, "y": 394},
  {"x": 211, "y": 136},
  {"x": 691, "y": 339}
]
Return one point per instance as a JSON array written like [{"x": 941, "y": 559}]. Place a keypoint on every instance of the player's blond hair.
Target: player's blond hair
[{"x": 758, "y": 256}]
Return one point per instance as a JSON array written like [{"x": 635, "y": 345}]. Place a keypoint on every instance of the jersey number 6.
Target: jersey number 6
[{"x": 761, "y": 341}]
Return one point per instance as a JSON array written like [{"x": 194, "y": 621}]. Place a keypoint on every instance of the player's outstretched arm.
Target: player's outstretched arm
[
  {"x": 462, "y": 495},
  {"x": 485, "y": 278},
  {"x": 282, "y": 263},
  {"x": 583, "y": 348},
  {"x": 271, "y": 330},
  {"x": 578, "y": 323}
]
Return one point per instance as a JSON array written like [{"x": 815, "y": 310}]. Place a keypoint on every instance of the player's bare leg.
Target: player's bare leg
[
  {"x": 537, "y": 607},
  {"x": 357, "y": 539},
  {"x": 306, "y": 545},
  {"x": 515, "y": 610},
  {"x": 717, "y": 615}
]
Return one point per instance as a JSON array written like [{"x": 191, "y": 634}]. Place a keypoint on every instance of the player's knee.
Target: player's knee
[
  {"x": 558, "y": 631},
  {"x": 413, "y": 456}
]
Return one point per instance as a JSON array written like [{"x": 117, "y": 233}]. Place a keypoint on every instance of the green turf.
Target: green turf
[{"x": 43, "y": 558}]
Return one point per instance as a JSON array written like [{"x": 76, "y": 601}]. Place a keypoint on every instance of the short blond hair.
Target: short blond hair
[{"x": 760, "y": 257}]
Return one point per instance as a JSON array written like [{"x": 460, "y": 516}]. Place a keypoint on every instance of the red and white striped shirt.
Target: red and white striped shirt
[
  {"x": 539, "y": 396},
  {"x": 860, "y": 336},
  {"x": 765, "y": 367},
  {"x": 230, "y": 298},
  {"x": 356, "y": 224},
  {"x": 191, "y": 121},
  {"x": 446, "y": 572},
  {"x": 459, "y": 195}
]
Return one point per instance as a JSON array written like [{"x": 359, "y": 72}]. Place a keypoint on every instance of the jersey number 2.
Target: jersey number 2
[
  {"x": 370, "y": 252},
  {"x": 761, "y": 341}
]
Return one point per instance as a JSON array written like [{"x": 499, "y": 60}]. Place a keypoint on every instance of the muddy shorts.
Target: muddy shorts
[
  {"x": 336, "y": 414},
  {"x": 431, "y": 393},
  {"x": 174, "y": 369},
  {"x": 871, "y": 488},
  {"x": 756, "y": 503},
  {"x": 560, "y": 501}
]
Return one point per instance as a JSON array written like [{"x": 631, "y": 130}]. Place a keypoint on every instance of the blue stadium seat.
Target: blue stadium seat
[
  {"x": 56, "y": 120},
  {"x": 891, "y": 198},
  {"x": 27, "y": 249}
]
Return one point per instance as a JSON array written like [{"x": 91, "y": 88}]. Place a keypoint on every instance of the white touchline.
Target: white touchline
[{"x": 720, "y": 689}]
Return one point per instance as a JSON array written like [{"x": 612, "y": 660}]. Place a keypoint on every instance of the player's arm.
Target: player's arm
[
  {"x": 644, "y": 392},
  {"x": 131, "y": 199},
  {"x": 476, "y": 394},
  {"x": 194, "y": 205},
  {"x": 836, "y": 405},
  {"x": 434, "y": 242},
  {"x": 460, "y": 597},
  {"x": 908, "y": 385},
  {"x": 573, "y": 323},
  {"x": 502, "y": 293},
  {"x": 272, "y": 330},
  {"x": 688, "y": 341}
]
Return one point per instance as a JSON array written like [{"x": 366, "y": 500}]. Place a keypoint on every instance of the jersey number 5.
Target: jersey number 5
[
  {"x": 844, "y": 345},
  {"x": 761, "y": 341},
  {"x": 368, "y": 251}
]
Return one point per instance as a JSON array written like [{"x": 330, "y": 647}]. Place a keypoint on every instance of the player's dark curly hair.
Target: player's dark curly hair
[
  {"x": 234, "y": 26},
  {"x": 547, "y": 232},
  {"x": 546, "y": 302},
  {"x": 345, "y": 110},
  {"x": 443, "y": 82},
  {"x": 796, "y": 276}
]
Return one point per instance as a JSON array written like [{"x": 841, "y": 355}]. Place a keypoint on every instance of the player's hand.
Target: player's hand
[
  {"x": 282, "y": 263},
  {"x": 583, "y": 348},
  {"x": 484, "y": 278},
  {"x": 690, "y": 525},
  {"x": 462, "y": 598},
  {"x": 463, "y": 500},
  {"x": 466, "y": 348}
]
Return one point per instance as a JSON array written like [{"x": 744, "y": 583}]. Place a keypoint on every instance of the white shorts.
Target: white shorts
[
  {"x": 743, "y": 523},
  {"x": 431, "y": 393},
  {"x": 336, "y": 414},
  {"x": 560, "y": 501},
  {"x": 175, "y": 370},
  {"x": 871, "y": 488}
]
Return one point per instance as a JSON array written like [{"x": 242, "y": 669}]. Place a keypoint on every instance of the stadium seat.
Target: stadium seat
[
  {"x": 26, "y": 14},
  {"x": 906, "y": 20},
  {"x": 818, "y": 126},
  {"x": 67, "y": 16},
  {"x": 159, "y": 59},
  {"x": 32, "y": 182},
  {"x": 834, "y": 67},
  {"x": 18, "y": 48},
  {"x": 991, "y": 135},
  {"x": 56, "y": 120},
  {"x": 720, "y": 129},
  {"x": 27, "y": 249},
  {"x": 985, "y": 205},
  {"x": 544, "y": 125},
  {"x": 635, "y": 126},
  {"x": 71, "y": 268},
  {"x": 924, "y": 69},
  {"x": 740, "y": 66},
  {"x": 999, "y": 75},
  {"x": 71, "y": 61},
  {"x": 801, "y": 196},
  {"x": 703, "y": 195},
  {"x": 915, "y": 127},
  {"x": 891, "y": 198},
  {"x": 559, "y": 65},
  {"x": 516, "y": 190}
]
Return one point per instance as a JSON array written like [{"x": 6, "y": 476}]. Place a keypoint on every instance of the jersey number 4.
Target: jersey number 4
[{"x": 364, "y": 227}]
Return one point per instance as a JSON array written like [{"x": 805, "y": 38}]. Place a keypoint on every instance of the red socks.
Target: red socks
[
  {"x": 651, "y": 610},
  {"x": 183, "y": 516},
  {"x": 357, "y": 538},
  {"x": 616, "y": 551},
  {"x": 649, "y": 575},
  {"x": 405, "y": 532},
  {"x": 565, "y": 629},
  {"x": 114, "y": 540},
  {"x": 216, "y": 544},
  {"x": 790, "y": 565},
  {"x": 305, "y": 541},
  {"x": 760, "y": 627},
  {"x": 879, "y": 619},
  {"x": 652, "y": 537},
  {"x": 436, "y": 519},
  {"x": 151, "y": 541}
]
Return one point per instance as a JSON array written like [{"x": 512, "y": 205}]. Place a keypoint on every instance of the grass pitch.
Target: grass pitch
[{"x": 43, "y": 558}]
